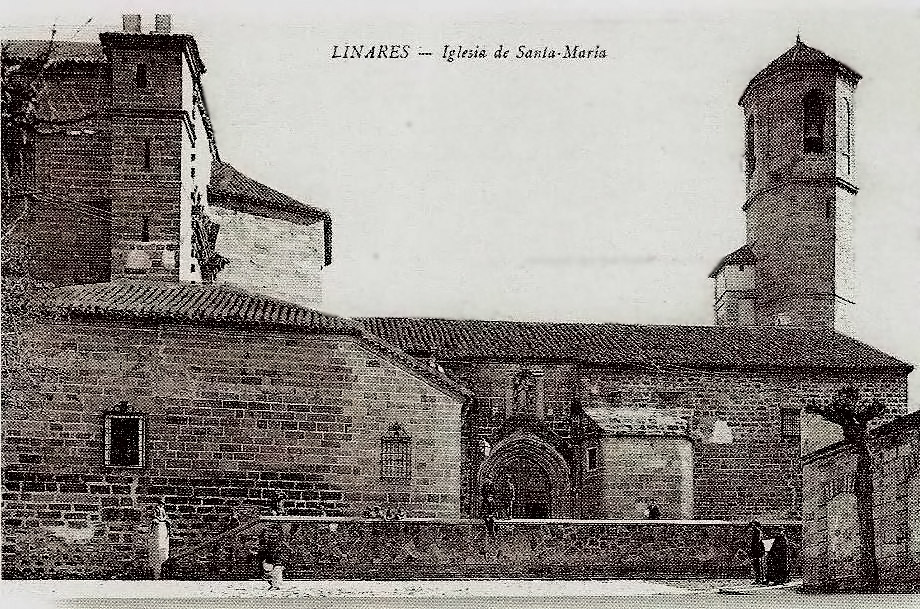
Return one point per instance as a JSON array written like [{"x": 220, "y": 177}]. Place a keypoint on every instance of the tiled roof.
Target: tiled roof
[
  {"x": 630, "y": 345},
  {"x": 227, "y": 183},
  {"x": 61, "y": 51},
  {"x": 222, "y": 305},
  {"x": 165, "y": 301},
  {"x": 629, "y": 422},
  {"x": 802, "y": 57},
  {"x": 742, "y": 255},
  {"x": 232, "y": 189}
]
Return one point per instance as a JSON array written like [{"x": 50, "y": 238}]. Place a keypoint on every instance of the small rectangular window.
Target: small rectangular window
[
  {"x": 147, "y": 154},
  {"x": 140, "y": 76},
  {"x": 125, "y": 440},
  {"x": 395, "y": 455},
  {"x": 591, "y": 458},
  {"x": 790, "y": 419}
]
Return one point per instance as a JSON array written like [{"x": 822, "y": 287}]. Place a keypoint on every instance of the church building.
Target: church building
[{"x": 175, "y": 351}]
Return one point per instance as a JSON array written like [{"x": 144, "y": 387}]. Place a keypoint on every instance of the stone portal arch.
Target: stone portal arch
[{"x": 540, "y": 477}]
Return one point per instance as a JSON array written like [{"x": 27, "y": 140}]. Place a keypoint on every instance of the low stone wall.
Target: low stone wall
[{"x": 340, "y": 548}]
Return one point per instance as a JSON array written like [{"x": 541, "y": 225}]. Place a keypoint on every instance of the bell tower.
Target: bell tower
[
  {"x": 800, "y": 174},
  {"x": 157, "y": 146}
]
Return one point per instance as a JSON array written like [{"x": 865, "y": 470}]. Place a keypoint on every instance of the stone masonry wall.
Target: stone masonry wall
[
  {"x": 758, "y": 473},
  {"x": 348, "y": 549},
  {"x": 233, "y": 418},
  {"x": 830, "y": 546},
  {"x": 637, "y": 469},
  {"x": 66, "y": 220}
]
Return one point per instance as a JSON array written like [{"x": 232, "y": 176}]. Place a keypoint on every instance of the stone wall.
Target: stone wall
[
  {"x": 752, "y": 472},
  {"x": 233, "y": 418},
  {"x": 349, "y": 549},
  {"x": 756, "y": 471},
  {"x": 638, "y": 469},
  {"x": 67, "y": 173},
  {"x": 831, "y": 543}
]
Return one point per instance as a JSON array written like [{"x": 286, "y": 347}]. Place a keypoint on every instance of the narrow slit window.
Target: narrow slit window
[
  {"x": 750, "y": 158},
  {"x": 147, "y": 154},
  {"x": 847, "y": 128},
  {"x": 140, "y": 76},
  {"x": 145, "y": 229},
  {"x": 591, "y": 458},
  {"x": 813, "y": 123}
]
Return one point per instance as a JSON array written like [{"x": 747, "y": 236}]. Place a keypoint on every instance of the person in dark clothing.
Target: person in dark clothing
[
  {"x": 654, "y": 512},
  {"x": 488, "y": 513},
  {"x": 777, "y": 567},
  {"x": 756, "y": 552}
]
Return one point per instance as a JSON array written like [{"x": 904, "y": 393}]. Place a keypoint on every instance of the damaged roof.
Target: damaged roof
[{"x": 607, "y": 344}]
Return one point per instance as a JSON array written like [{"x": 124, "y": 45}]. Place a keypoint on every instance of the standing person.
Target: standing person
[
  {"x": 488, "y": 512},
  {"x": 654, "y": 513},
  {"x": 777, "y": 571},
  {"x": 159, "y": 538},
  {"x": 272, "y": 572},
  {"x": 756, "y": 551}
]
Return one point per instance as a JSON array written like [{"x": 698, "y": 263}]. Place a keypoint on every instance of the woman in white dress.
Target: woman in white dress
[{"x": 159, "y": 538}]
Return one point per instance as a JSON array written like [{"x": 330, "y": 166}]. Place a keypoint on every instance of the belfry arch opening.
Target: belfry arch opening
[{"x": 813, "y": 122}]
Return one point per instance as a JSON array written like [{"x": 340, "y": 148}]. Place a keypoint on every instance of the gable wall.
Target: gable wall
[{"x": 233, "y": 418}]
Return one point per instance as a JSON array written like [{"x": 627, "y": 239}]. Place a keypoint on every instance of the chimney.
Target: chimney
[
  {"x": 163, "y": 24},
  {"x": 131, "y": 24}
]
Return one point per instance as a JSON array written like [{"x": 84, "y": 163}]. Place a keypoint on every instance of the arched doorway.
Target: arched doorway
[
  {"x": 529, "y": 478},
  {"x": 523, "y": 489}
]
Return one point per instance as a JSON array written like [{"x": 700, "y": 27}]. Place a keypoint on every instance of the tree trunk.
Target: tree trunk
[{"x": 864, "y": 491}]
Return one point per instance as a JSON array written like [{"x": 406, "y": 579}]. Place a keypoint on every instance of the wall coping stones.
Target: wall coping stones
[{"x": 533, "y": 521}]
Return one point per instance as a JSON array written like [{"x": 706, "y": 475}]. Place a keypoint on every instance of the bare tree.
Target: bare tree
[
  {"x": 21, "y": 85},
  {"x": 853, "y": 414}
]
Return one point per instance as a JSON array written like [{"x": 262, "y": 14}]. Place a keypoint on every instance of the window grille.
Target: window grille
[
  {"x": 125, "y": 438},
  {"x": 395, "y": 454},
  {"x": 790, "y": 419}
]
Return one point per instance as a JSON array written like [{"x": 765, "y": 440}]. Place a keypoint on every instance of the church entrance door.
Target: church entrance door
[
  {"x": 523, "y": 490},
  {"x": 527, "y": 477}
]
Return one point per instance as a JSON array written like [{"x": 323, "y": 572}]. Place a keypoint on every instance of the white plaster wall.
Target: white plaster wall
[{"x": 274, "y": 257}]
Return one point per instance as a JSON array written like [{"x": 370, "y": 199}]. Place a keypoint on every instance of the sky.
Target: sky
[{"x": 590, "y": 190}]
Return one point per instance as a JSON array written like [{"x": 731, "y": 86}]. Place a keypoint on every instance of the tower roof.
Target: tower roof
[
  {"x": 742, "y": 255},
  {"x": 801, "y": 57}
]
